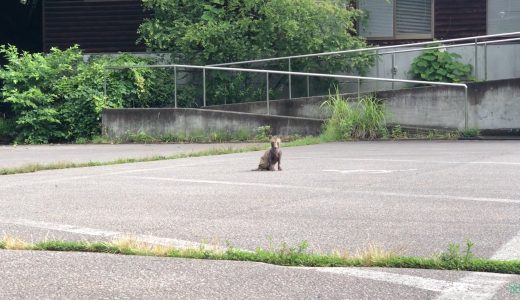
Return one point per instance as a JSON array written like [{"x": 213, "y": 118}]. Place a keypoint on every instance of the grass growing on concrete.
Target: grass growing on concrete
[
  {"x": 30, "y": 168},
  {"x": 364, "y": 119},
  {"x": 299, "y": 256},
  {"x": 68, "y": 165}
]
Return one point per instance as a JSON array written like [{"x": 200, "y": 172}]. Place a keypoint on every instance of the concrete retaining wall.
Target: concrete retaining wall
[
  {"x": 157, "y": 122},
  {"x": 492, "y": 105}
]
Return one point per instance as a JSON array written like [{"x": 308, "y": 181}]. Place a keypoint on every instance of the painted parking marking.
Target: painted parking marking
[
  {"x": 479, "y": 286},
  {"x": 476, "y": 285},
  {"x": 477, "y": 289},
  {"x": 363, "y": 171},
  {"x": 318, "y": 189},
  {"x": 148, "y": 239},
  {"x": 509, "y": 251},
  {"x": 422, "y": 161},
  {"x": 132, "y": 171},
  {"x": 504, "y": 163}
]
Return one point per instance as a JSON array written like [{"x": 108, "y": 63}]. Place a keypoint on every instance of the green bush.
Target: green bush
[
  {"x": 362, "y": 120},
  {"x": 59, "y": 96},
  {"x": 470, "y": 132},
  {"x": 440, "y": 65}
]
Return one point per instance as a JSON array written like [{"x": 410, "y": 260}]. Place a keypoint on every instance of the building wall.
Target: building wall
[
  {"x": 96, "y": 25},
  {"x": 453, "y": 19},
  {"x": 460, "y": 18}
]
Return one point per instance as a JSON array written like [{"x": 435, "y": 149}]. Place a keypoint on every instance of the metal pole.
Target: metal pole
[
  {"x": 267, "y": 91},
  {"x": 290, "y": 80},
  {"x": 377, "y": 69},
  {"x": 485, "y": 62},
  {"x": 392, "y": 71},
  {"x": 175, "y": 85},
  {"x": 359, "y": 89},
  {"x": 466, "y": 108},
  {"x": 308, "y": 87},
  {"x": 105, "y": 85},
  {"x": 476, "y": 59},
  {"x": 204, "y": 84}
]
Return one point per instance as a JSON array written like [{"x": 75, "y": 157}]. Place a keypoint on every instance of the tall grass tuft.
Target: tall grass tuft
[{"x": 364, "y": 119}]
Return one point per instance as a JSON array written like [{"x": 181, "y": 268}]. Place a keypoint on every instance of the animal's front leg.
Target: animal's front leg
[{"x": 280, "y": 161}]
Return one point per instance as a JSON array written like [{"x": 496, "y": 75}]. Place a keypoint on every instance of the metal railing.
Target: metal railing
[
  {"x": 289, "y": 73},
  {"x": 377, "y": 51}
]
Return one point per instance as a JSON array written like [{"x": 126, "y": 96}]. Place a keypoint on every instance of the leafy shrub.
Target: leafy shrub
[
  {"x": 440, "y": 65},
  {"x": 470, "y": 132},
  {"x": 362, "y": 120},
  {"x": 59, "y": 96}
]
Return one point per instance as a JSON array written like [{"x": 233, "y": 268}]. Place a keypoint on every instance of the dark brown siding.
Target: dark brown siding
[
  {"x": 96, "y": 25},
  {"x": 460, "y": 18}
]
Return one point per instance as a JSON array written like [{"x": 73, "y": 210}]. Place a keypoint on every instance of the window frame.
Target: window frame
[{"x": 407, "y": 36}]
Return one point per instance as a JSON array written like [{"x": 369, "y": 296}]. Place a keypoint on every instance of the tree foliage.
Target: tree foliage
[{"x": 207, "y": 32}]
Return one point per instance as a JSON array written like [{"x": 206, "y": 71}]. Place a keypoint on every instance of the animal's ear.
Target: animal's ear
[{"x": 279, "y": 141}]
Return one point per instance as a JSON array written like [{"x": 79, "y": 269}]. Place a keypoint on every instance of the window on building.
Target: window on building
[
  {"x": 397, "y": 19},
  {"x": 503, "y": 16}
]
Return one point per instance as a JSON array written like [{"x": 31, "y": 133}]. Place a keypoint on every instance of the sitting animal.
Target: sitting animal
[{"x": 271, "y": 157}]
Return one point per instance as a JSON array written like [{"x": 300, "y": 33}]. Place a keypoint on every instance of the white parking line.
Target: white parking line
[
  {"x": 481, "y": 289},
  {"x": 504, "y": 163},
  {"x": 309, "y": 188},
  {"x": 509, "y": 251},
  {"x": 476, "y": 285},
  {"x": 368, "y": 171},
  {"x": 70, "y": 178},
  {"x": 479, "y": 286},
  {"x": 149, "y": 239}
]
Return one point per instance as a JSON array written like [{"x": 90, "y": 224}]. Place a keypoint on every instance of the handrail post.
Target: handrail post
[
  {"x": 175, "y": 84},
  {"x": 476, "y": 59},
  {"x": 290, "y": 80},
  {"x": 485, "y": 61},
  {"x": 105, "y": 84},
  {"x": 392, "y": 70},
  {"x": 308, "y": 87},
  {"x": 267, "y": 91},
  {"x": 359, "y": 89},
  {"x": 466, "y": 108},
  {"x": 377, "y": 68},
  {"x": 204, "y": 86}
]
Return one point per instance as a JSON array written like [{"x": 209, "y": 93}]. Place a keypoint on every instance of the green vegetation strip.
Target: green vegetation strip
[
  {"x": 29, "y": 168},
  {"x": 453, "y": 259}
]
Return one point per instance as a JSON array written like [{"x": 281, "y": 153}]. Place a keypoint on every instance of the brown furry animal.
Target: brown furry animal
[{"x": 271, "y": 157}]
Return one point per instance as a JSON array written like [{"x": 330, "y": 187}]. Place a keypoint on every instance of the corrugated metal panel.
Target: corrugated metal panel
[
  {"x": 459, "y": 18},
  {"x": 97, "y": 26},
  {"x": 413, "y": 16},
  {"x": 453, "y": 19}
]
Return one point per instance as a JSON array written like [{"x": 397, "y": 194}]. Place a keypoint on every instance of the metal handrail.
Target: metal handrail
[
  {"x": 369, "y": 49},
  {"x": 377, "y": 51},
  {"x": 290, "y": 73},
  {"x": 450, "y": 46}
]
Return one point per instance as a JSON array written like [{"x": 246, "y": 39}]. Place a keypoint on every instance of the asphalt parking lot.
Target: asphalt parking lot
[{"x": 414, "y": 197}]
